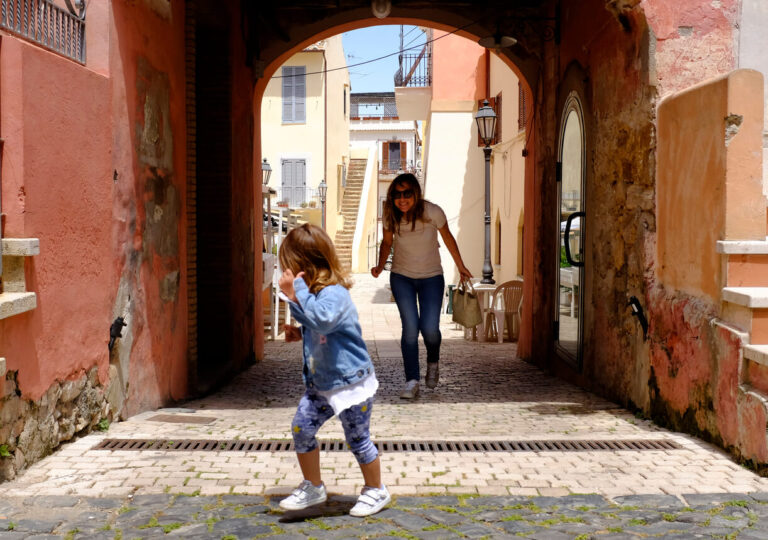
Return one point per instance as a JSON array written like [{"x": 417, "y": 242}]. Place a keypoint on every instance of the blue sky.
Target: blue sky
[{"x": 374, "y": 42}]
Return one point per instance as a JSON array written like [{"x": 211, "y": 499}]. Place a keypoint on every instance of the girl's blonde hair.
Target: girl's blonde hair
[{"x": 310, "y": 250}]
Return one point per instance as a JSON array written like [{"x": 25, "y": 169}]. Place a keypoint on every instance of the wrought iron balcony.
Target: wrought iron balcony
[
  {"x": 415, "y": 70},
  {"x": 48, "y": 25}
]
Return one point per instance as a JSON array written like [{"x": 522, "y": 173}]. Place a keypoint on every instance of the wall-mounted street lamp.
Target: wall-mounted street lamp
[
  {"x": 486, "y": 124},
  {"x": 322, "y": 190},
  {"x": 266, "y": 172}
]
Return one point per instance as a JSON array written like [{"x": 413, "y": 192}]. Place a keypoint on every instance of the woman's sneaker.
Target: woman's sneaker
[
  {"x": 411, "y": 389},
  {"x": 304, "y": 496},
  {"x": 370, "y": 501}
]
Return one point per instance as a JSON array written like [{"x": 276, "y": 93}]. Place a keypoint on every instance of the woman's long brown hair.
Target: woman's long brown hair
[
  {"x": 310, "y": 250},
  {"x": 392, "y": 214}
]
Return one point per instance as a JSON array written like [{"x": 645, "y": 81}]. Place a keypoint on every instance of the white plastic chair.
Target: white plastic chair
[{"x": 505, "y": 310}]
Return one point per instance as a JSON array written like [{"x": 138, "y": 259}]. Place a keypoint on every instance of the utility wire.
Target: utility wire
[{"x": 374, "y": 59}]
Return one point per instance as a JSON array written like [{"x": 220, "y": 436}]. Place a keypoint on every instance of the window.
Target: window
[
  {"x": 395, "y": 155},
  {"x": 294, "y": 94},
  {"x": 294, "y": 181}
]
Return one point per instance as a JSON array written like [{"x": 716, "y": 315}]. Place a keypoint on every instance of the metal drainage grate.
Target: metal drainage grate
[
  {"x": 182, "y": 419},
  {"x": 213, "y": 445}
]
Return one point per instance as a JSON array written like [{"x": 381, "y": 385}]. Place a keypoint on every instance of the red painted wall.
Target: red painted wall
[{"x": 147, "y": 58}]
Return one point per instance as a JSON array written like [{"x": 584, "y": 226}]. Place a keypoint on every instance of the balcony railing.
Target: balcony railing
[
  {"x": 416, "y": 71},
  {"x": 391, "y": 166},
  {"x": 48, "y": 25}
]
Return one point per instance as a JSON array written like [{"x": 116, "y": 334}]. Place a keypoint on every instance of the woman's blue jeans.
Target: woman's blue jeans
[{"x": 419, "y": 302}]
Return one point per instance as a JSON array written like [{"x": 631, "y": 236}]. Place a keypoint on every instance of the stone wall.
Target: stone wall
[{"x": 31, "y": 430}]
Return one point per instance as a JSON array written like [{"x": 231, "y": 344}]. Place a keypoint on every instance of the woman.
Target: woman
[{"x": 417, "y": 282}]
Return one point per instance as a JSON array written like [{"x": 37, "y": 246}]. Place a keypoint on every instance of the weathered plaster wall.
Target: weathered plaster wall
[
  {"x": 57, "y": 187},
  {"x": 694, "y": 40},
  {"x": 708, "y": 189},
  {"x": 604, "y": 59},
  {"x": 149, "y": 173}
]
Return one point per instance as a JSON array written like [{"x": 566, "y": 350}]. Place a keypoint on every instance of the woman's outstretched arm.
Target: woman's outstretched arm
[
  {"x": 453, "y": 248},
  {"x": 386, "y": 245}
]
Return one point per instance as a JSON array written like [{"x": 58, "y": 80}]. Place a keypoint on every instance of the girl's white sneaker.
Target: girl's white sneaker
[
  {"x": 370, "y": 501},
  {"x": 304, "y": 496}
]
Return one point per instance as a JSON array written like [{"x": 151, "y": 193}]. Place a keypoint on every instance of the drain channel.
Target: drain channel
[{"x": 213, "y": 445}]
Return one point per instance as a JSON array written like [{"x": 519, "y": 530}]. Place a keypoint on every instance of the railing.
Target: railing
[
  {"x": 48, "y": 25},
  {"x": 383, "y": 109},
  {"x": 416, "y": 70},
  {"x": 394, "y": 165},
  {"x": 311, "y": 198}
]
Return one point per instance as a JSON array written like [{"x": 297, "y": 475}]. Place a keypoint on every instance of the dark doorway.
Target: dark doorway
[{"x": 213, "y": 90}]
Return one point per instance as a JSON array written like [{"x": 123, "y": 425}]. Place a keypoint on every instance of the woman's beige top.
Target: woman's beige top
[{"x": 417, "y": 253}]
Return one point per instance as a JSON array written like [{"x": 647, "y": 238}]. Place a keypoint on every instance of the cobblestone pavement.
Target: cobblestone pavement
[{"x": 693, "y": 490}]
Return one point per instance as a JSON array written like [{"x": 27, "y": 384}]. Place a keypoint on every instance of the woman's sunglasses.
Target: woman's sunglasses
[{"x": 405, "y": 194}]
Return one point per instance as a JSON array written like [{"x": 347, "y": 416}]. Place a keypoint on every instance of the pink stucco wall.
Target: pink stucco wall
[
  {"x": 76, "y": 175},
  {"x": 459, "y": 70},
  {"x": 706, "y": 167},
  {"x": 57, "y": 186}
]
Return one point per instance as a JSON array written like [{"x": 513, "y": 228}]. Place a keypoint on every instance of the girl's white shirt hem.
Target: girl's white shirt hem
[{"x": 345, "y": 397}]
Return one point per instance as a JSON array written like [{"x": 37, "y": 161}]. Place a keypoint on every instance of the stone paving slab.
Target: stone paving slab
[
  {"x": 240, "y": 517},
  {"x": 485, "y": 393}
]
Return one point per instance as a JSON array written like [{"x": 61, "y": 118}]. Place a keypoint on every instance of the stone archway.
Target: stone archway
[{"x": 281, "y": 51}]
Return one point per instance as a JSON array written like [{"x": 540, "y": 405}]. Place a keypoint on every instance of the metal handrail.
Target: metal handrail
[{"x": 48, "y": 25}]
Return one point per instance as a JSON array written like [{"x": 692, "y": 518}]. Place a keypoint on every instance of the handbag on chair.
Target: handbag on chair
[{"x": 466, "y": 307}]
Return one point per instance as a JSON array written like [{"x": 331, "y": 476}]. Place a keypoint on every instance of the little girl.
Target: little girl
[{"x": 338, "y": 372}]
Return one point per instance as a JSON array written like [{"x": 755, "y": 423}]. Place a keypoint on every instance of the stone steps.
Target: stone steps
[
  {"x": 747, "y": 292},
  {"x": 350, "y": 205}
]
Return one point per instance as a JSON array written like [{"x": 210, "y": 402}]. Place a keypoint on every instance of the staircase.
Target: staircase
[
  {"x": 349, "y": 208},
  {"x": 747, "y": 291}
]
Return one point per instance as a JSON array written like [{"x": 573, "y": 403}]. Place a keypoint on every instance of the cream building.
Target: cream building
[
  {"x": 463, "y": 75},
  {"x": 305, "y": 126}
]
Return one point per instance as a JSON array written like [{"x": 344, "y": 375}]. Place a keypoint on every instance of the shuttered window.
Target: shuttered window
[{"x": 294, "y": 94}]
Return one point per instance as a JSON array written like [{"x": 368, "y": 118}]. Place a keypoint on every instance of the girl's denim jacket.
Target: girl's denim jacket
[{"x": 334, "y": 351}]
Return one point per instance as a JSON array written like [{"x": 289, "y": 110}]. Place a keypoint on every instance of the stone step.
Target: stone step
[
  {"x": 743, "y": 247},
  {"x": 750, "y": 297},
  {"x": 14, "y": 303},
  {"x": 757, "y": 353}
]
